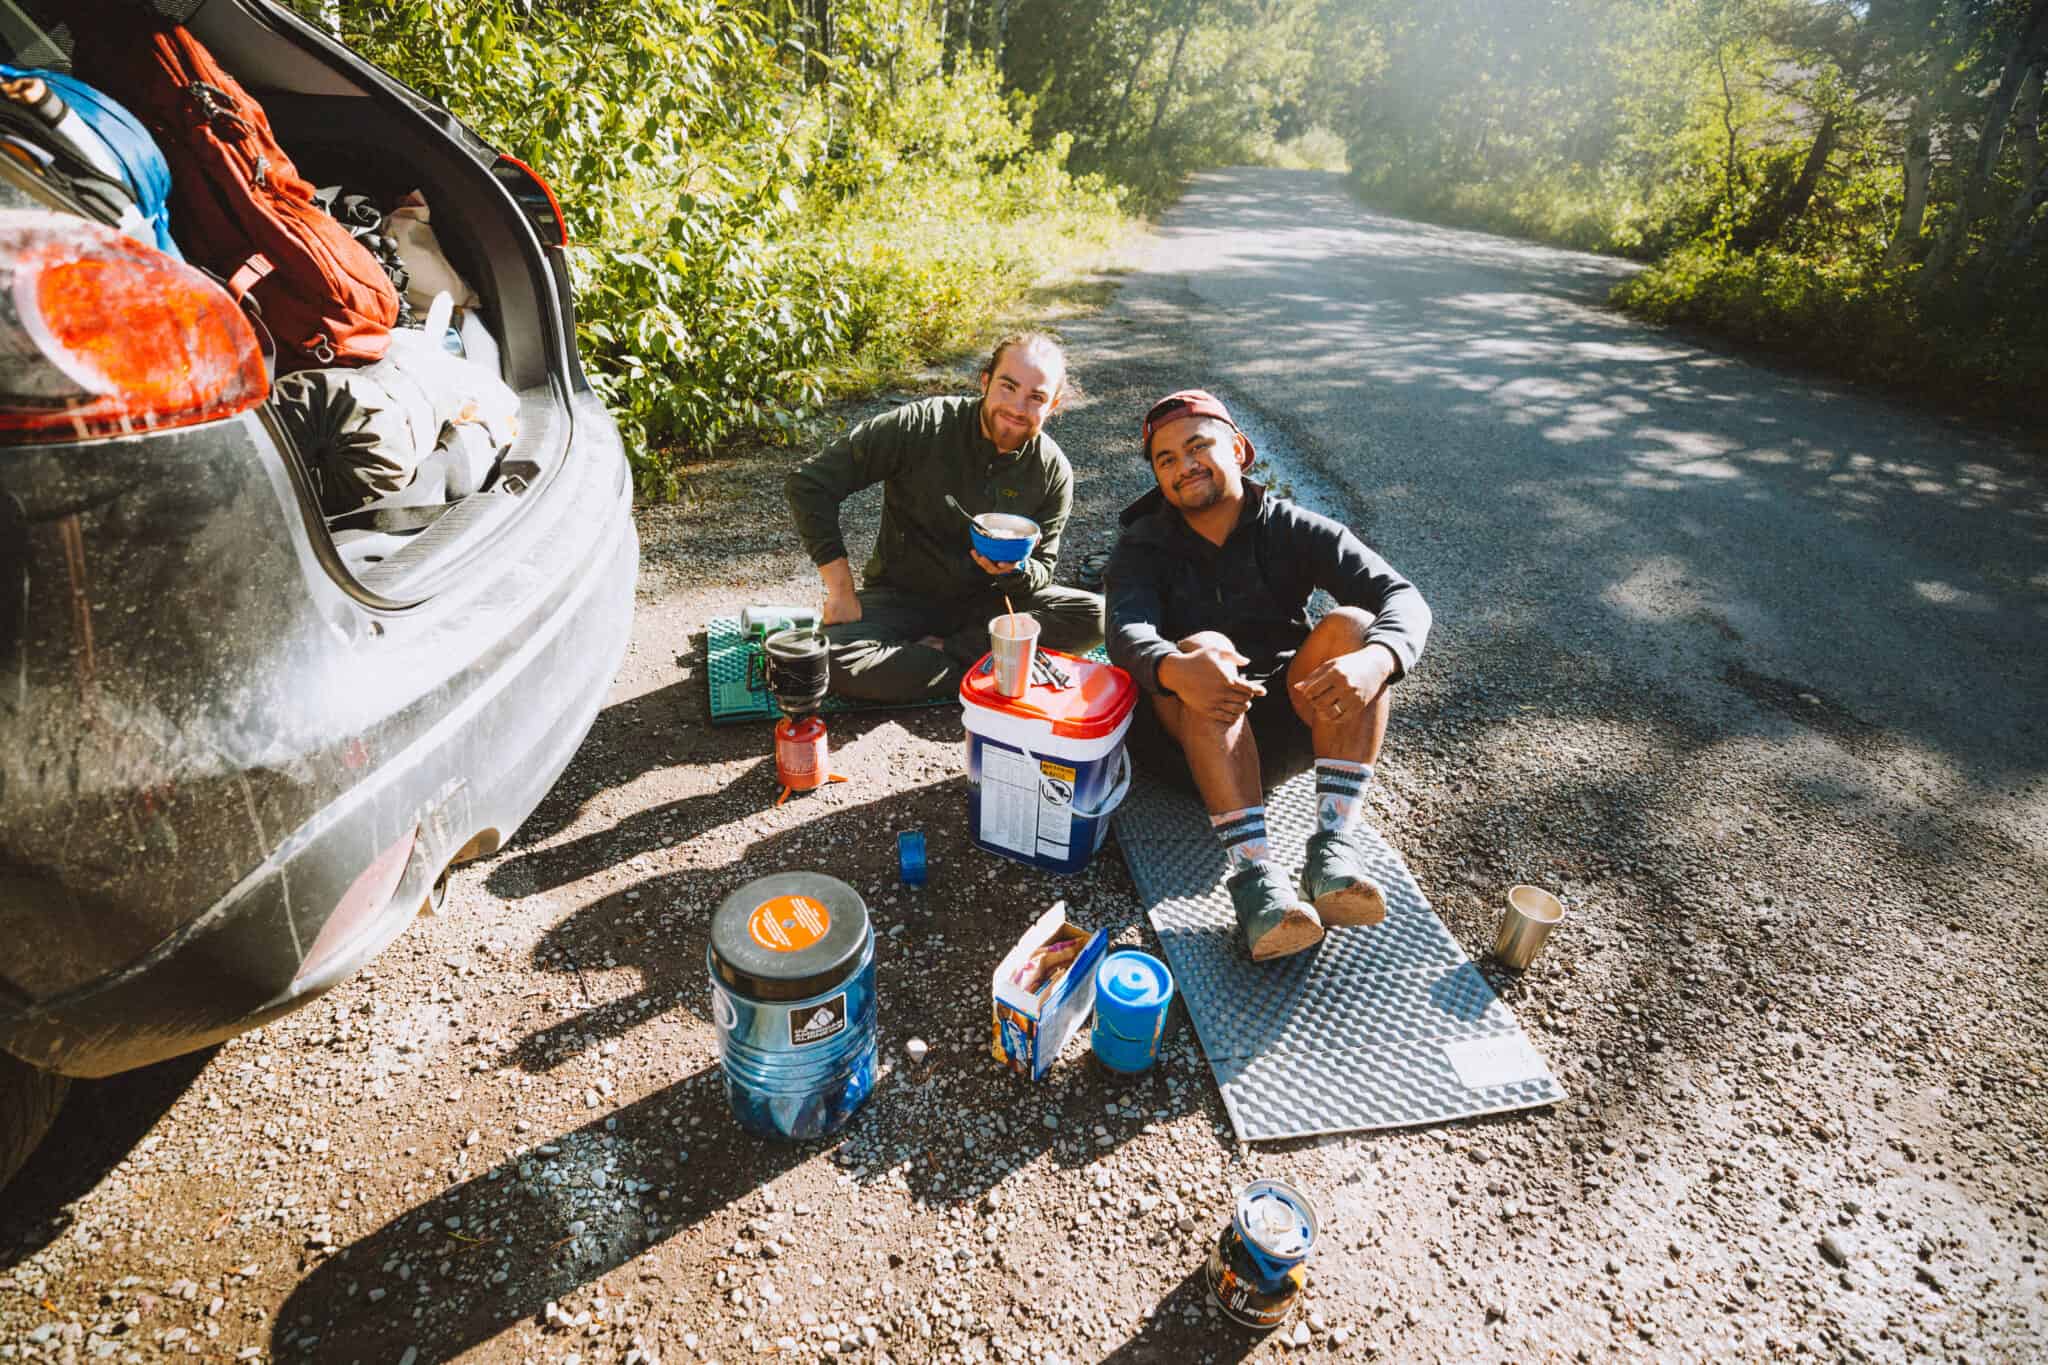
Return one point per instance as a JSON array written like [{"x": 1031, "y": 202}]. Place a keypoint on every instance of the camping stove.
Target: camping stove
[{"x": 798, "y": 669}]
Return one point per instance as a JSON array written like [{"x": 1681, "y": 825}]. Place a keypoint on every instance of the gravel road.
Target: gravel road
[{"x": 1746, "y": 668}]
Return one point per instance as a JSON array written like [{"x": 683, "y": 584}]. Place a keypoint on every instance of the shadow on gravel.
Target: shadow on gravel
[
  {"x": 447, "y": 1305},
  {"x": 658, "y": 926},
  {"x": 629, "y": 737},
  {"x": 435, "y": 1266},
  {"x": 956, "y": 1127},
  {"x": 647, "y": 829},
  {"x": 1164, "y": 1339},
  {"x": 98, "y": 1128}
]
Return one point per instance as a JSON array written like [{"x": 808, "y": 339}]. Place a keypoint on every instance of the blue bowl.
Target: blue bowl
[{"x": 1003, "y": 537}]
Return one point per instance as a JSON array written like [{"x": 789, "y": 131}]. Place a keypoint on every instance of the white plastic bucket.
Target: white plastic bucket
[{"x": 1046, "y": 770}]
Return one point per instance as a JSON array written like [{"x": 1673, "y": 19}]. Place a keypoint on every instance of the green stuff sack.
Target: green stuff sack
[{"x": 362, "y": 432}]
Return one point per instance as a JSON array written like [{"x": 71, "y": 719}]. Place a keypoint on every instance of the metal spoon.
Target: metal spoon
[{"x": 954, "y": 503}]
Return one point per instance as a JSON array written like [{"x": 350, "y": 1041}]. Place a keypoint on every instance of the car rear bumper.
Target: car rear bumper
[{"x": 451, "y": 778}]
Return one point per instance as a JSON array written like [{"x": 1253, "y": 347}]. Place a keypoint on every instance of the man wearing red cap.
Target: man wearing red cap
[{"x": 1208, "y": 593}]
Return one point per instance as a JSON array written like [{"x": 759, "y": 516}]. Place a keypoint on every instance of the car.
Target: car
[{"x": 242, "y": 742}]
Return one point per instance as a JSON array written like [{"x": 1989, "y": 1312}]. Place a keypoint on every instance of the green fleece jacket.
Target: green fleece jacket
[{"x": 919, "y": 453}]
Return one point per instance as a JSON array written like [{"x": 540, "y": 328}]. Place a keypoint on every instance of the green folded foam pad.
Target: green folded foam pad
[{"x": 738, "y": 692}]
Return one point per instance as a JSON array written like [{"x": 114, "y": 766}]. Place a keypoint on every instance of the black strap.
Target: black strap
[
  {"x": 25, "y": 44},
  {"x": 390, "y": 519},
  {"x": 101, "y": 197}
]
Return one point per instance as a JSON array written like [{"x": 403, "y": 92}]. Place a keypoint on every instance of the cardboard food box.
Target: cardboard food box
[{"x": 1033, "y": 1024}]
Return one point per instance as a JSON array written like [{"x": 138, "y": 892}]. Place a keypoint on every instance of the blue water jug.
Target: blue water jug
[
  {"x": 792, "y": 959},
  {"x": 1132, "y": 993}
]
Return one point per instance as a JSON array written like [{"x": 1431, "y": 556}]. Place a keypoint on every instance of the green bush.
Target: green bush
[
  {"x": 1850, "y": 317},
  {"x": 1570, "y": 210},
  {"x": 745, "y": 235}
]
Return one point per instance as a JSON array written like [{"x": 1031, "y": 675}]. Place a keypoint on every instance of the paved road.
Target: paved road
[
  {"x": 1725, "y": 537},
  {"x": 1740, "y": 665},
  {"x": 1751, "y": 668}
]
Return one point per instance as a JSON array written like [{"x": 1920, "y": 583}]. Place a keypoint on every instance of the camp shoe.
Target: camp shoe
[
  {"x": 1333, "y": 876},
  {"x": 1274, "y": 922}
]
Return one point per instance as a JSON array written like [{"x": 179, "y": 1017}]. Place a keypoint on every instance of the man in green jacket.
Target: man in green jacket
[{"x": 921, "y": 615}]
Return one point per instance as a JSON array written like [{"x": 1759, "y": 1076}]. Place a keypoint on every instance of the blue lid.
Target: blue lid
[{"x": 1132, "y": 985}]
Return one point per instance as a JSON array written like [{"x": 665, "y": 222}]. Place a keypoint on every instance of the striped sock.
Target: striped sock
[
  {"x": 1340, "y": 793},
  {"x": 1243, "y": 836}
]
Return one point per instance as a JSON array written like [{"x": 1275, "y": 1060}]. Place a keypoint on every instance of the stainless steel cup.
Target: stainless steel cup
[
  {"x": 1012, "y": 640},
  {"x": 1531, "y": 914}
]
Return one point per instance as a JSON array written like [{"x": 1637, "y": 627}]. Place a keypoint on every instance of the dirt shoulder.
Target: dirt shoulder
[{"x": 510, "y": 1141}]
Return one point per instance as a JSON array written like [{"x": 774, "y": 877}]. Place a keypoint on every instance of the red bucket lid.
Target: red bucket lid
[{"x": 1102, "y": 695}]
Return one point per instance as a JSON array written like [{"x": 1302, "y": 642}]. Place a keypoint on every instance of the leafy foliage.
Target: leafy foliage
[
  {"x": 1149, "y": 90},
  {"x": 750, "y": 216},
  {"x": 774, "y": 200},
  {"x": 1860, "y": 184}
]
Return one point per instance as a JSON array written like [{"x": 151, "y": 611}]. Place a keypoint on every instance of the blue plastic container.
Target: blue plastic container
[
  {"x": 910, "y": 856},
  {"x": 792, "y": 960},
  {"x": 1132, "y": 993},
  {"x": 1003, "y": 537}
]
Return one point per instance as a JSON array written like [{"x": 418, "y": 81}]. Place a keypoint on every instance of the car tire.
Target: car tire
[{"x": 29, "y": 1100}]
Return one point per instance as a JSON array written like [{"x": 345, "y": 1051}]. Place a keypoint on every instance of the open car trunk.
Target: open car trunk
[{"x": 347, "y": 127}]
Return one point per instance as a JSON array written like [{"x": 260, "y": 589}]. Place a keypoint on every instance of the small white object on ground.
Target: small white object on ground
[{"x": 918, "y": 1049}]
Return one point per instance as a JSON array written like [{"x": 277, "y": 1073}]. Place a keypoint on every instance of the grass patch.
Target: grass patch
[
  {"x": 1845, "y": 318},
  {"x": 756, "y": 230},
  {"x": 1544, "y": 208},
  {"x": 1839, "y": 313}
]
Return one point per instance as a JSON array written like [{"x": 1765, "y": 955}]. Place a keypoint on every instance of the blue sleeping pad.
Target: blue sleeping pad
[{"x": 143, "y": 168}]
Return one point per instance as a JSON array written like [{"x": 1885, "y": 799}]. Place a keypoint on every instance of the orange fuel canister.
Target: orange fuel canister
[{"x": 802, "y": 760}]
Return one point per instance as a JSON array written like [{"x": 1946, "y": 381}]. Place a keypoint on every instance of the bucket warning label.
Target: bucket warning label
[
  {"x": 1027, "y": 803},
  {"x": 1009, "y": 799},
  {"x": 788, "y": 924},
  {"x": 815, "y": 1023}
]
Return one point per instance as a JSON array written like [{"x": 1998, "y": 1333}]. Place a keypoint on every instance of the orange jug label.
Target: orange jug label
[{"x": 788, "y": 924}]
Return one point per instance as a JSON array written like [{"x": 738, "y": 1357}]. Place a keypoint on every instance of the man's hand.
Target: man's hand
[
  {"x": 1345, "y": 686},
  {"x": 1207, "y": 682},
  {"x": 989, "y": 566},
  {"x": 842, "y": 604}
]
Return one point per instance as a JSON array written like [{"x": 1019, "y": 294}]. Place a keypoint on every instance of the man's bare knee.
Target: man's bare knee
[
  {"x": 1189, "y": 727},
  {"x": 1342, "y": 630},
  {"x": 1347, "y": 623}
]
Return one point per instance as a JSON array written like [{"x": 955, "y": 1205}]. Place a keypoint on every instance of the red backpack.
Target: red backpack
[{"x": 242, "y": 209}]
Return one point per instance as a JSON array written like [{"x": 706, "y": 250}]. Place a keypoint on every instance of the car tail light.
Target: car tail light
[
  {"x": 102, "y": 336},
  {"x": 535, "y": 199},
  {"x": 367, "y": 897}
]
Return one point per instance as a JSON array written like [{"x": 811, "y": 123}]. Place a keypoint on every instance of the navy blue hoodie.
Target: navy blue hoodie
[{"x": 1165, "y": 582}]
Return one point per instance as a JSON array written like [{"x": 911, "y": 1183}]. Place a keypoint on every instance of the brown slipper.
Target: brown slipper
[
  {"x": 1334, "y": 877},
  {"x": 1274, "y": 922},
  {"x": 1297, "y": 931}
]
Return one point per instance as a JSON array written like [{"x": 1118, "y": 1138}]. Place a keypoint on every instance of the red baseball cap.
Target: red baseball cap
[{"x": 1190, "y": 403}]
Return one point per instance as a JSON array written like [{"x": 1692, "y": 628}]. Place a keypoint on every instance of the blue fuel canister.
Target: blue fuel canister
[
  {"x": 1255, "y": 1271},
  {"x": 792, "y": 959},
  {"x": 1132, "y": 993}
]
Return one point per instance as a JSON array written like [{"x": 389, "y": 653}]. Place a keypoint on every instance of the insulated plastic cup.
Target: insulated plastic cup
[
  {"x": 1012, "y": 640},
  {"x": 1132, "y": 993},
  {"x": 1531, "y": 914}
]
